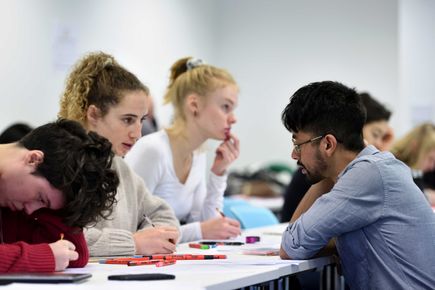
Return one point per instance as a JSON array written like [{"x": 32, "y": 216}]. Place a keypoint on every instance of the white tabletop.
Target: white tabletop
[{"x": 238, "y": 270}]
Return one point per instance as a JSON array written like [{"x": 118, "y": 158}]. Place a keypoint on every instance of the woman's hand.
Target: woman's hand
[
  {"x": 158, "y": 240},
  {"x": 220, "y": 228},
  {"x": 226, "y": 153}
]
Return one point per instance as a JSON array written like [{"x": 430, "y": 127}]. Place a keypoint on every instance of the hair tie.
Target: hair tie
[{"x": 193, "y": 63}]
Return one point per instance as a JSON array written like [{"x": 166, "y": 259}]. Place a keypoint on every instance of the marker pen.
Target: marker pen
[
  {"x": 144, "y": 262},
  {"x": 208, "y": 257},
  {"x": 165, "y": 263},
  {"x": 202, "y": 247},
  {"x": 115, "y": 262},
  {"x": 221, "y": 243}
]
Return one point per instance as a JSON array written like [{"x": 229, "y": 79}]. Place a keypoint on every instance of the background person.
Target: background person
[
  {"x": 149, "y": 125},
  {"x": 417, "y": 150}
]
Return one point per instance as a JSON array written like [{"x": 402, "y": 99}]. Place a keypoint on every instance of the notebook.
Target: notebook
[{"x": 43, "y": 277}]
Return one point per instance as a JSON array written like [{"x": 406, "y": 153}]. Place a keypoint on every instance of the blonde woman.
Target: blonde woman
[
  {"x": 111, "y": 101},
  {"x": 171, "y": 161},
  {"x": 417, "y": 150}
]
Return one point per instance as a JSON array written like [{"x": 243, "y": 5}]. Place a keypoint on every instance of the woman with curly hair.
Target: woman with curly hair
[
  {"x": 171, "y": 161},
  {"x": 111, "y": 101}
]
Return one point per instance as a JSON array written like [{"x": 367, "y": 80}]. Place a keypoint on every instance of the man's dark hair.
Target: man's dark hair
[
  {"x": 327, "y": 108},
  {"x": 78, "y": 164},
  {"x": 375, "y": 110},
  {"x": 14, "y": 132}
]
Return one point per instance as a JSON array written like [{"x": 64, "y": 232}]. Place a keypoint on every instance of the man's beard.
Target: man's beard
[{"x": 317, "y": 174}]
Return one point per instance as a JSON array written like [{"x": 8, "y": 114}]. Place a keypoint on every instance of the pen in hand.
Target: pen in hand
[
  {"x": 220, "y": 213},
  {"x": 149, "y": 221}
]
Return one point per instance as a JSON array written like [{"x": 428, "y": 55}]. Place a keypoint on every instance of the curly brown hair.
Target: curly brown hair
[
  {"x": 79, "y": 165},
  {"x": 97, "y": 79}
]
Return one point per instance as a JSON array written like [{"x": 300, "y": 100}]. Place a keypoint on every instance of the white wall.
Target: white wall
[
  {"x": 271, "y": 47},
  {"x": 275, "y": 47},
  {"x": 417, "y": 61},
  {"x": 40, "y": 40}
]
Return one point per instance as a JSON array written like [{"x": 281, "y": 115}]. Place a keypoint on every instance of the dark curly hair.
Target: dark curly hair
[
  {"x": 327, "y": 108},
  {"x": 78, "y": 164}
]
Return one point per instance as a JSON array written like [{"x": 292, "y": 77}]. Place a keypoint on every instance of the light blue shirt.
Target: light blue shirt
[{"x": 384, "y": 226}]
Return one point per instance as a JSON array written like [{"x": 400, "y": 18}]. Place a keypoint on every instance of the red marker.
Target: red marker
[
  {"x": 121, "y": 261},
  {"x": 113, "y": 262},
  {"x": 165, "y": 263},
  {"x": 185, "y": 257},
  {"x": 199, "y": 246},
  {"x": 208, "y": 257},
  {"x": 157, "y": 257},
  {"x": 144, "y": 262}
]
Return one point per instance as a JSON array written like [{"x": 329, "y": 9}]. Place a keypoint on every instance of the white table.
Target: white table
[{"x": 237, "y": 271}]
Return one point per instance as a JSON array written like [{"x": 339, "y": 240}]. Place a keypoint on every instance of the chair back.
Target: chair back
[
  {"x": 230, "y": 202},
  {"x": 253, "y": 216}
]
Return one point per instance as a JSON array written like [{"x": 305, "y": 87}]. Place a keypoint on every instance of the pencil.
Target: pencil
[
  {"x": 221, "y": 213},
  {"x": 149, "y": 221}
]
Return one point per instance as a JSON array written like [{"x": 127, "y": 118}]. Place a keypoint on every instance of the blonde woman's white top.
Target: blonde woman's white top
[{"x": 194, "y": 201}]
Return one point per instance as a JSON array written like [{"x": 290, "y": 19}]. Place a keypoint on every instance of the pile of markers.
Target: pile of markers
[{"x": 158, "y": 260}]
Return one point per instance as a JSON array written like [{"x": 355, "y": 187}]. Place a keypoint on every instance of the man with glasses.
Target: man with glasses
[
  {"x": 374, "y": 209},
  {"x": 300, "y": 194}
]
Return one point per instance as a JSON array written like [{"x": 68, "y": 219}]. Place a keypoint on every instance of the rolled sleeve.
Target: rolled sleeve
[{"x": 298, "y": 244}]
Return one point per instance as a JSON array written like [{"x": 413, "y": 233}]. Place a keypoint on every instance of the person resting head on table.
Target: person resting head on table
[
  {"x": 111, "y": 101},
  {"x": 172, "y": 161},
  {"x": 53, "y": 182},
  {"x": 374, "y": 210}
]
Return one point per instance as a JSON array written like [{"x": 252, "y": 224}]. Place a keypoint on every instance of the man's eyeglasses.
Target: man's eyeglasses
[{"x": 297, "y": 147}]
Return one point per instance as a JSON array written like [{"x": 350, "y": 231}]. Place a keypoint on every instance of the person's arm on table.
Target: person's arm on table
[
  {"x": 66, "y": 242},
  {"x": 162, "y": 235},
  {"x": 313, "y": 193},
  {"x": 22, "y": 257},
  {"x": 38, "y": 246},
  {"x": 353, "y": 203}
]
